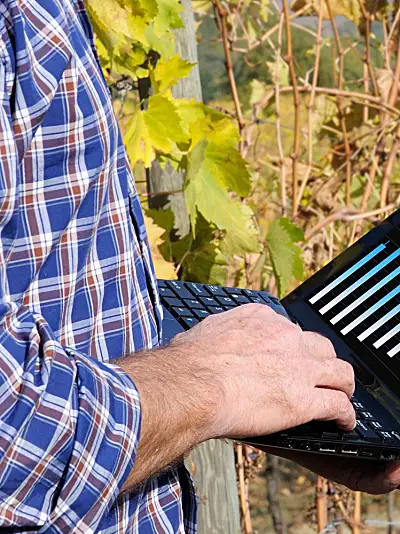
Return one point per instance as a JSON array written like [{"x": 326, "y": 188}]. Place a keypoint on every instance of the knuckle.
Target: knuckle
[
  {"x": 320, "y": 345},
  {"x": 349, "y": 370},
  {"x": 342, "y": 403},
  {"x": 327, "y": 344},
  {"x": 265, "y": 310},
  {"x": 255, "y": 308}
]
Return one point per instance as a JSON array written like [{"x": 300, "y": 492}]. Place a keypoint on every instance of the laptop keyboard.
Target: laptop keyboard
[{"x": 190, "y": 303}]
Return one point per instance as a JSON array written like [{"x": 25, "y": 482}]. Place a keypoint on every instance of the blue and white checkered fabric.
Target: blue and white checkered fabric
[{"x": 77, "y": 289}]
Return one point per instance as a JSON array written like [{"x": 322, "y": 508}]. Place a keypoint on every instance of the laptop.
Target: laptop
[{"x": 355, "y": 302}]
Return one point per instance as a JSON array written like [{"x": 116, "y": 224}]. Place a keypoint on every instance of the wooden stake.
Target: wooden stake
[
  {"x": 357, "y": 512},
  {"x": 322, "y": 503}
]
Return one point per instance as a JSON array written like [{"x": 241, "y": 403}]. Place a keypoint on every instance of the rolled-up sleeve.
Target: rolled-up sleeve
[{"x": 69, "y": 428}]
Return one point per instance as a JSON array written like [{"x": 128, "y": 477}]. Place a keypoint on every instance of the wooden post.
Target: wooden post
[{"x": 212, "y": 464}]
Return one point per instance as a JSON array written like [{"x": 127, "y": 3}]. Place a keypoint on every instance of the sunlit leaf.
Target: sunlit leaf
[
  {"x": 156, "y": 235},
  {"x": 285, "y": 255},
  {"x": 205, "y": 193},
  {"x": 168, "y": 72},
  {"x": 156, "y": 129}
]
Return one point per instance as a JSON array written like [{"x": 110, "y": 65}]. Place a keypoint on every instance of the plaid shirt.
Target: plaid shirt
[{"x": 77, "y": 289}]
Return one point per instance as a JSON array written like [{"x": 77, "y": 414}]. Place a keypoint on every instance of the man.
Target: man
[{"x": 86, "y": 445}]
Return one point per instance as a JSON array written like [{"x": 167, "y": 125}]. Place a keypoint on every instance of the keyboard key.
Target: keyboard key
[
  {"x": 257, "y": 300},
  {"x": 367, "y": 416},
  {"x": 387, "y": 437},
  {"x": 240, "y": 299},
  {"x": 233, "y": 290},
  {"x": 217, "y": 309},
  {"x": 180, "y": 289},
  {"x": 226, "y": 301},
  {"x": 161, "y": 283},
  {"x": 182, "y": 312},
  {"x": 366, "y": 432},
  {"x": 358, "y": 406},
  {"x": 251, "y": 293},
  {"x": 193, "y": 303},
  {"x": 197, "y": 289},
  {"x": 165, "y": 292},
  {"x": 188, "y": 321},
  {"x": 201, "y": 314},
  {"x": 306, "y": 430},
  {"x": 167, "y": 314},
  {"x": 375, "y": 425},
  {"x": 216, "y": 290},
  {"x": 275, "y": 300},
  {"x": 208, "y": 301},
  {"x": 265, "y": 296},
  {"x": 173, "y": 302},
  {"x": 352, "y": 435}
]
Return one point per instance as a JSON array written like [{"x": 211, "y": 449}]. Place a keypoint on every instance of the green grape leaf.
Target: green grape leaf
[
  {"x": 228, "y": 166},
  {"x": 156, "y": 129},
  {"x": 163, "y": 43},
  {"x": 285, "y": 255},
  {"x": 163, "y": 218},
  {"x": 146, "y": 9},
  {"x": 201, "y": 258},
  {"x": 222, "y": 155},
  {"x": 168, "y": 16},
  {"x": 207, "y": 265},
  {"x": 205, "y": 193},
  {"x": 168, "y": 72}
]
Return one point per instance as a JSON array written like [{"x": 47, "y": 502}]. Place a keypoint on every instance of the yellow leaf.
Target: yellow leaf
[
  {"x": 138, "y": 142},
  {"x": 163, "y": 268},
  {"x": 168, "y": 72},
  {"x": 158, "y": 128},
  {"x": 115, "y": 26}
]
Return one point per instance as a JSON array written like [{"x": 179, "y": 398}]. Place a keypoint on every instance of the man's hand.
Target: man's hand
[
  {"x": 272, "y": 375},
  {"x": 245, "y": 372},
  {"x": 355, "y": 473}
]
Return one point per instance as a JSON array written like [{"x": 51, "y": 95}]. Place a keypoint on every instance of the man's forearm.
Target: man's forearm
[
  {"x": 246, "y": 372},
  {"x": 178, "y": 399}
]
